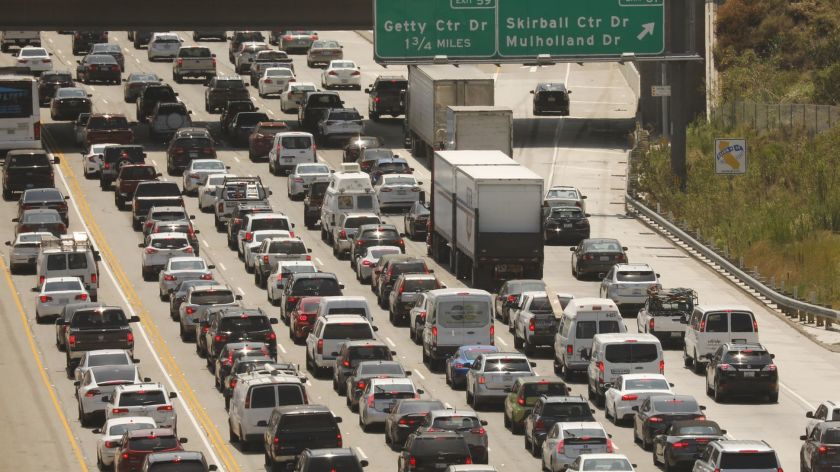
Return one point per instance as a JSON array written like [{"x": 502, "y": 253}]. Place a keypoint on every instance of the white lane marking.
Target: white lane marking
[
  {"x": 58, "y": 51},
  {"x": 556, "y": 152},
  {"x": 126, "y": 50},
  {"x": 281, "y": 348},
  {"x": 204, "y": 241},
  {"x": 448, "y": 406},
  {"x": 92, "y": 88},
  {"x": 154, "y": 162},
  {"x": 270, "y": 112},
  {"x": 798, "y": 397},
  {"x": 319, "y": 261},
  {"x": 308, "y": 383},
  {"x": 49, "y": 40},
  {"x": 362, "y": 454},
  {"x": 222, "y": 265},
  {"x": 105, "y": 100},
  {"x": 138, "y": 60},
  {"x": 419, "y": 374},
  {"x": 236, "y": 159},
  {"x": 241, "y": 292},
  {"x": 532, "y": 69},
  {"x": 588, "y": 102},
  {"x": 502, "y": 341},
  {"x": 496, "y": 74},
  {"x": 169, "y": 381},
  {"x": 390, "y": 342},
  {"x": 568, "y": 71}
]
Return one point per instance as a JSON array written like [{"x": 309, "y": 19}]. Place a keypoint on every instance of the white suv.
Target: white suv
[
  {"x": 143, "y": 399},
  {"x": 627, "y": 285},
  {"x": 329, "y": 333},
  {"x": 732, "y": 455},
  {"x": 159, "y": 248}
]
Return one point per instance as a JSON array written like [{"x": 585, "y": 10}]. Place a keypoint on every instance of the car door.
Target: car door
[
  {"x": 640, "y": 417},
  {"x": 811, "y": 443},
  {"x": 714, "y": 331},
  {"x": 475, "y": 371},
  {"x": 606, "y": 282}
]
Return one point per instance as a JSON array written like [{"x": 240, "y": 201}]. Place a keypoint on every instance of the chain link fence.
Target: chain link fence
[{"x": 773, "y": 116}]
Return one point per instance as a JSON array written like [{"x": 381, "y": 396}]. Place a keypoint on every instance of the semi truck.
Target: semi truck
[
  {"x": 479, "y": 128},
  {"x": 486, "y": 217},
  {"x": 431, "y": 89}
]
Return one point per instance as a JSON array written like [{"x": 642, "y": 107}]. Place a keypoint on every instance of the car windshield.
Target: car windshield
[
  {"x": 194, "y": 52},
  {"x": 564, "y": 194},
  {"x": 700, "y": 429},
  {"x": 99, "y": 319},
  {"x": 39, "y": 160},
  {"x": 108, "y": 359},
  {"x": 399, "y": 181},
  {"x": 63, "y": 285},
  {"x": 317, "y": 286},
  {"x": 318, "y": 169},
  {"x": 230, "y": 84},
  {"x": 120, "y": 429},
  {"x": 635, "y": 276},
  {"x": 169, "y": 243},
  {"x": 244, "y": 323},
  {"x": 607, "y": 464},
  {"x": 750, "y": 460},
  {"x": 71, "y": 93},
  {"x": 197, "y": 264},
  {"x": 463, "y": 314},
  {"x": 507, "y": 365},
  {"x": 676, "y": 405},
  {"x": 138, "y": 173},
  {"x": 646, "y": 384},
  {"x": 208, "y": 165},
  {"x": 212, "y": 297},
  {"x": 348, "y": 330}
]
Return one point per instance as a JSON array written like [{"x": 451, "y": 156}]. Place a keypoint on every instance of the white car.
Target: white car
[
  {"x": 36, "y": 59},
  {"x": 566, "y": 441},
  {"x": 631, "y": 390},
  {"x": 143, "y": 399},
  {"x": 92, "y": 160},
  {"x": 565, "y": 195},
  {"x": 207, "y": 192},
  {"x": 249, "y": 248},
  {"x": 366, "y": 262},
  {"x": 397, "y": 191},
  {"x": 163, "y": 46},
  {"x": 627, "y": 285},
  {"x": 179, "y": 269},
  {"x": 341, "y": 123},
  {"x": 305, "y": 175},
  {"x": 341, "y": 73},
  {"x": 100, "y": 357},
  {"x": 24, "y": 250},
  {"x": 380, "y": 395},
  {"x": 159, "y": 248},
  {"x": 293, "y": 94},
  {"x": 599, "y": 462},
  {"x": 197, "y": 172},
  {"x": 281, "y": 273},
  {"x": 98, "y": 382},
  {"x": 274, "y": 80},
  {"x": 55, "y": 293},
  {"x": 111, "y": 437}
]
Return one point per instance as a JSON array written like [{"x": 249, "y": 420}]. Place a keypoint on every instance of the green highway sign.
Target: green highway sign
[{"x": 414, "y": 31}]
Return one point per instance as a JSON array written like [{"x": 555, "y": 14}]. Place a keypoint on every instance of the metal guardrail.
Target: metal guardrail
[{"x": 788, "y": 305}]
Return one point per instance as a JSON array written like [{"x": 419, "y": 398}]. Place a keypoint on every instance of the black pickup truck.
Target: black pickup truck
[
  {"x": 386, "y": 96},
  {"x": 151, "y": 95},
  {"x": 153, "y": 193},
  {"x": 25, "y": 169},
  {"x": 97, "y": 327},
  {"x": 291, "y": 429},
  {"x": 221, "y": 89},
  {"x": 314, "y": 106}
]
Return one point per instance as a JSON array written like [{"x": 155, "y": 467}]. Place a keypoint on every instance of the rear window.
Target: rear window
[
  {"x": 751, "y": 460},
  {"x": 270, "y": 223},
  {"x": 409, "y": 407},
  {"x": 244, "y": 323},
  {"x": 393, "y": 391},
  {"x": 697, "y": 430},
  {"x": 392, "y": 85},
  {"x": 562, "y": 193},
  {"x": 158, "y": 189},
  {"x": 250, "y": 118},
  {"x": 153, "y": 443},
  {"x": 568, "y": 411},
  {"x": 344, "y": 116},
  {"x": 120, "y": 429},
  {"x": 584, "y": 436},
  {"x": 46, "y": 217},
  {"x": 456, "y": 423},
  {"x": 308, "y": 421},
  {"x": 541, "y": 305},
  {"x": 321, "y": 286},
  {"x": 747, "y": 356},
  {"x": 178, "y": 466},
  {"x": 716, "y": 323},
  {"x": 636, "y": 276},
  {"x": 416, "y": 267},
  {"x": 376, "y": 253},
  {"x": 566, "y": 213},
  {"x": 138, "y": 173},
  {"x": 393, "y": 167},
  {"x": 194, "y": 143},
  {"x": 197, "y": 264},
  {"x": 287, "y": 247},
  {"x": 355, "y": 222},
  {"x": 381, "y": 369},
  {"x": 463, "y": 314},
  {"x": 382, "y": 234},
  {"x": 296, "y": 142},
  {"x": 214, "y": 297},
  {"x": 831, "y": 436},
  {"x": 107, "y": 359},
  {"x": 551, "y": 389},
  {"x": 107, "y": 122},
  {"x": 369, "y": 353},
  {"x": 646, "y": 384},
  {"x": 420, "y": 285},
  {"x": 169, "y": 215},
  {"x": 607, "y": 464},
  {"x": 439, "y": 445},
  {"x": 263, "y": 396},
  {"x": 169, "y": 243},
  {"x": 230, "y": 84},
  {"x": 114, "y": 376},
  {"x": 62, "y": 286},
  {"x": 677, "y": 405},
  {"x": 99, "y": 319},
  {"x": 472, "y": 354},
  {"x": 587, "y": 329},
  {"x": 507, "y": 365},
  {"x": 208, "y": 165},
  {"x": 142, "y": 397},
  {"x": 16, "y": 102},
  {"x": 57, "y": 262},
  {"x": 348, "y": 331},
  {"x": 741, "y": 322},
  {"x": 631, "y": 353},
  {"x": 343, "y": 463},
  {"x": 40, "y": 160}
]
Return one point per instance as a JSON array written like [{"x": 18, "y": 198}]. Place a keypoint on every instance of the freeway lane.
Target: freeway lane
[{"x": 575, "y": 150}]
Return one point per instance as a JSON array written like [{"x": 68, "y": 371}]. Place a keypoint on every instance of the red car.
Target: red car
[
  {"x": 302, "y": 318},
  {"x": 108, "y": 129},
  {"x": 261, "y": 140},
  {"x": 136, "y": 445}
]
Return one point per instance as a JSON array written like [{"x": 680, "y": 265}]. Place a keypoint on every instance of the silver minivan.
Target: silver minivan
[
  {"x": 455, "y": 317},
  {"x": 582, "y": 319}
]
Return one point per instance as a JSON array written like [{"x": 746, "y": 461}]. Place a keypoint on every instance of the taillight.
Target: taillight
[
  {"x": 610, "y": 446},
  {"x": 125, "y": 455},
  {"x": 332, "y": 72},
  {"x": 72, "y": 340},
  {"x": 345, "y": 363},
  {"x": 355, "y": 72},
  {"x": 151, "y": 250},
  {"x": 468, "y": 460},
  {"x": 367, "y": 263},
  {"x": 662, "y": 366},
  {"x": 539, "y": 424},
  {"x": 207, "y": 277},
  {"x": 93, "y": 278},
  {"x": 338, "y": 440},
  {"x": 219, "y": 338},
  {"x": 36, "y": 130},
  {"x": 232, "y": 383},
  {"x": 520, "y": 401},
  {"x": 755, "y": 326},
  {"x": 412, "y": 462},
  {"x": 600, "y": 369},
  {"x": 111, "y": 444},
  {"x": 164, "y": 408},
  {"x": 190, "y": 310},
  {"x": 703, "y": 326},
  {"x": 482, "y": 380},
  {"x": 479, "y": 431},
  {"x": 561, "y": 447},
  {"x": 248, "y": 236},
  {"x": 679, "y": 444},
  {"x": 650, "y": 325},
  {"x": 129, "y": 337},
  {"x": 434, "y": 335},
  {"x": 265, "y": 260},
  {"x": 655, "y": 419},
  {"x": 169, "y": 277},
  {"x": 271, "y": 336},
  {"x": 118, "y": 411},
  {"x": 570, "y": 349},
  {"x": 45, "y": 298},
  {"x": 360, "y": 385},
  {"x": 342, "y": 234},
  {"x": 532, "y": 326},
  {"x": 724, "y": 366},
  {"x": 370, "y": 401},
  {"x": 629, "y": 398},
  {"x": 41, "y": 280},
  {"x": 320, "y": 346},
  {"x": 180, "y": 61},
  {"x": 92, "y": 393}
]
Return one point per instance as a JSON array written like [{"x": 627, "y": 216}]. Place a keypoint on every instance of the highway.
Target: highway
[{"x": 39, "y": 404}]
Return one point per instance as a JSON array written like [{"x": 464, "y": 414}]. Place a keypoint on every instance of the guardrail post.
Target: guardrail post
[{"x": 812, "y": 296}]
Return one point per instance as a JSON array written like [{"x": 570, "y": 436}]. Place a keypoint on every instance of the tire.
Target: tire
[
  {"x": 717, "y": 394},
  {"x": 517, "y": 343},
  {"x": 698, "y": 367},
  {"x": 687, "y": 361},
  {"x": 7, "y": 194},
  {"x": 773, "y": 397}
]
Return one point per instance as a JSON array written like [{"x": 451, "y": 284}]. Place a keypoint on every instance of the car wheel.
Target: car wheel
[
  {"x": 718, "y": 395},
  {"x": 517, "y": 343},
  {"x": 773, "y": 397},
  {"x": 698, "y": 367}
]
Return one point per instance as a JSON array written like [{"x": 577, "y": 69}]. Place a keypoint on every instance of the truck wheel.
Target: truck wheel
[
  {"x": 517, "y": 343},
  {"x": 374, "y": 116}
]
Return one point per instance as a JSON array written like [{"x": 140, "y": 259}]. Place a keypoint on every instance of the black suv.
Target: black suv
[
  {"x": 49, "y": 82},
  {"x": 430, "y": 452},
  {"x": 742, "y": 369},
  {"x": 312, "y": 203},
  {"x": 83, "y": 41},
  {"x": 153, "y": 193},
  {"x": 566, "y": 223},
  {"x": 241, "y": 325},
  {"x": 351, "y": 353},
  {"x": 188, "y": 144},
  {"x": 317, "y": 460},
  {"x": 387, "y": 96},
  {"x": 313, "y": 108},
  {"x": 308, "y": 284},
  {"x": 231, "y": 108},
  {"x": 27, "y": 168},
  {"x": 550, "y": 410},
  {"x": 221, "y": 89},
  {"x": 151, "y": 94},
  {"x": 392, "y": 269},
  {"x": 291, "y": 429},
  {"x": 375, "y": 235},
  {"x": 551, "y": 98}
]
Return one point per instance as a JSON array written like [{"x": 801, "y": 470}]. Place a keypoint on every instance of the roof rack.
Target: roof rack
[
  {"x": 672, "y": 293},
  {"x": 70, "y": 242}
]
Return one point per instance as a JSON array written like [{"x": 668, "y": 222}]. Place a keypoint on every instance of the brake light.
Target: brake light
[
  {"x": 650, "y": 325},
  {"x": 92, "y": 393},
  {"x": 267, "y": 81},
  {"x": 703, "y": 326},
  {"x": 232, "y": 383},
  {"x": 561, "y": 447},
  {"x": 271, "y": 336},
  {"x": 219, "y": 338},
  {"x": 291, "y": 299},
  {"x": 342, "y": 234},
  {"x": 376, "y": 99},
  {"x": 724, "y": 366},
  {"x": 125, "y": 455},
  {"x": 367, "y": 263},
  {"x": 72, "y": 340},
  {"x": 205, "y": 329},
  {"x": 129, "y": 337},
  {"x": 755, "y": 326},
  {"x": 822, "y": 449},
  {"x": 93, "y": 278},
  {"x": 520, "y": 401},
  {"x": 610, "y": 446},
  {"x": 332, "y": 72},
  {"x": 111, "y": 444},
  {"x": 169, "y": 277},
  {"x": 320, "y": 346},
  {"x": 482, "y": 380},
  {"x": 479, "y": 431},
  {"x": 265, "y": 261},
  {"x": 207, "y": 277},
  {"x": 539, "y": 424},
  {"x": 662, "y": 366},
  {"x": 345, "y": 363},
  {"x": 338, "y": 440},
  {"x": 434, "y": 335},
  {"x": 532, "y": 325},
  {"x": 189, "y": 310},
  {"x": 770, "y": 367},
  {"x": 370, "y": 401},
  {"x": 164, "y": 408},
  {"x": 180, "y": 61},
  {"x": 655, "y": 419},
  {"x": 601, "y": 368},
  {"x": 355, "y": 72},
  {"x": 151, "y": 250},
  {"x": 360, "y": 385},
  {"x": 412, "y": 462},
  {"x": 119, "y": 411},
  {"x": 629, "y": 398},
  {"x": 570, "y": 349},
  {"x": 45, "y": 299},
  {"x": 248, "y": 236}
]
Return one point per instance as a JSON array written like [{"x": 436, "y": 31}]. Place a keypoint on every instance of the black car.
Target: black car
[
  {"x": 549, "y": 410},
  {"x": 112, "y": 49},
  {"x": 98, "y": 67},
  {"x": 658, "y": 412},
  {"x": 821, "y": 449},
  {"x": 193, "y": 461},
  {"x": 375, "y": 235},
  {"x": 83, "y": 41},
  {"x": 188, "y": 144},
  {"x": 318, "y": 460},
  {"x": 68, "y": 103},
  {"x": 291, "y": 429},
  {"x": 742, "y": 369},
  {"x": 40, "y": 219},
  {"x": 233, "y": 107},
  {"x": 509, "y": 293},
  {"x": 221, "y": 89},
  {"x": 243, "y": 124},
  {"x": 356, "y": 144},
  {"x": 683, "y": 442},
  {"x": 150, "y": 95},
  {"x": 392, "y": 270},
  {"x": 50, "y": 198},
  {"x": 25, "y": 169},
  {"x": 596, "y": 256},
  {"x": 245, "y": 324},
  {"x": 386, "y": 96},
  {"x": 433, "y": 451},
  {"x": 140, "y": 38},
  {"x": 351, "y": 353},
  {"x": 416, "y": 221},
  {"x": 551, "y": 98},
  {"x": 405, "y": 417},
  {"x": 49, "y": 82},
  {"x": 566, "y": 223},
  {"x": 408, "y": 287},
  {"x": 135, "y": 83},
  {"x": 313, "y": 107},
  {"x": 308, "y": 284},
  {"x": 367, "y": 157}
]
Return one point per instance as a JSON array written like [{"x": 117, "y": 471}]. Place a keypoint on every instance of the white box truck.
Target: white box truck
[
  {"x": 479, "y": 128},
  {"x": 432, "y": 88}
]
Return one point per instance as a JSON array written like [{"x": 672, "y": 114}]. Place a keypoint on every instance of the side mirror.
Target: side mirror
[
  {"x": 160, "y": 79},
  {"x": 238, "y": 297},
  {"x": 483, "y": 422},
  {"x": 35, "y": 290},
  {"x": 402, "y": 235},
  {"x": 273, "y": 320},
  {"x": 173, "y": 395},
  {"x": 78, "y": 62},
  {"x": 182, "y": 440},
  {"x": 196, "y": 231},
  {"x": 227, "y": 167},
  {"x": 192, "y": 217},
  {"x": 420, "y": 391},
  {"x": 772, "y": 356},
  {"x": 702, "y": 407},
  {"x": 341, "y": 286},
  {"x": 624, "y": 248},
  {"x": 723, "y": 431},
  {"x": 147, "y": 379},
  {"x": 262, "y": 423},
  {"x": 308, "y": 249},
  {"x": 97, "y": 431},
  {"x": 532, "y": 363},
  {"x": 572, "y": 249},
  {"x": 608, "y": 386},
  {"x": 67, "y": 197},
  {"x": 670, "y": 384},
  {"x": 141, "y": 245},
  {"x": 363, "y": 463},
  {"x": 90, "y": 95},
  {"x": 375, "y": 328},
  {"x": 8, "y": 243},
  {"x": 635, "y": 408},
  {"x": 587, "y": 215},
  {"x": 76, "y": 383},
  {"x": 212, "y": 467},
  {"x": 137, "y": 361},
  {"x": 56, "y": 160},
  {"x": 212, "y": 55},
  {"x": 106, "y": 399},
  {"x": 809, "y": 414},
  {"x": 134, "y": 319},
  {"x": 657, "y": 275},
  {"x": 408, "y": 373},
  {"x": 532, "y": 92},
  {"x": 367, "y": 90},
  {"x": 338, "y": 419},
  {"x": 803, "y": 437}
]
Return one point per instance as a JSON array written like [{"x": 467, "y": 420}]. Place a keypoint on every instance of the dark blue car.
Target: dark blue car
[{"x": 460, "y": 362}]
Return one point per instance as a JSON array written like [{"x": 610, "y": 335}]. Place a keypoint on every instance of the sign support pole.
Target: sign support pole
[{"x": 681, "y": 13}]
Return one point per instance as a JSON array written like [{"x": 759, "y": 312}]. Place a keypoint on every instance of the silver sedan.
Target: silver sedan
[
  {"x": 179, "y": 269},
  {"x": 305, "y": 175},
  {"x": 196, "y": 173},
  {"x": 23, "y": 251},
  {"x": 57, "y": 292},
  {"x": 365, "y": 263},
  {"x": 380, "y": 395}
]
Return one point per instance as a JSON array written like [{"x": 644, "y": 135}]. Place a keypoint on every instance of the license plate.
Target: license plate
[
  {"x": 739, "y": 340},
  {"x": 343, "y": 81},
  {"x": 568, "y": 225},
  {"x": 749, "y": 374},
  {"x": 288, "y": 158},
  {"x": 401, "y": 192},
  {"x": 675, "y": 334},
  {"x": 441, "y": 466},
  {"x": 551, "y": 99},
  {"x": 637, "y": 291},
  {"x": 604, "y": 258}
]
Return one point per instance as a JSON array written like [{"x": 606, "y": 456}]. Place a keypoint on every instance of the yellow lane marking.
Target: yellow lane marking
[
  {"x": 27, "y": 328},
  {"x": 158, "y": 343}
]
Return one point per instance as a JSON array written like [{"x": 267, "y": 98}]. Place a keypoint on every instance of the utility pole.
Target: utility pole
[{"x": 682, "y": 41}]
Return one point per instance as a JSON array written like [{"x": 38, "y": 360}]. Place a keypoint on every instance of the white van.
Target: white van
[
  {"x": 711, "y": 326},
  {"x": 349, "y": 191},
  {"x": 255, "y": 397},
  {"x": 73, "y": 255},
  {"x": 290, "y": 149},
  {"x": 455, "y": 317},
  {"x": 617, "y": 354},
  {"x": 344, "y": 305},
  {"x": 582, "y": 319}
]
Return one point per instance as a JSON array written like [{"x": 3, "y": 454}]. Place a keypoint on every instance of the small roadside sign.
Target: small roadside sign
[
  {"x": 730, "y": 156},
  {"x": 660, "y": 90}
]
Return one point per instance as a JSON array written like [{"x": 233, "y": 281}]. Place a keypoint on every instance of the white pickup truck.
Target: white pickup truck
[
  {"x": 666, "y": 312},
  {"x": 19, "y": 39},
  {"x": 273, "y": 250}
]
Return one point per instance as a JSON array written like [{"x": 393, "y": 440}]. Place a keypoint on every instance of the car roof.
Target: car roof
[
  {"x": 140, "y": 386},
  {"x": 175, "y": 456},
  {"x": 330, "y": 452},
  {"x": 707, "y": 308},
  {"x": 453, "y": 412},
  {"x": 301, "y": 409},
  {"x": 342, "y": 318},
  {"x": 138, "y": 433},
  {"x": 537, "y": 379},
  {"x": 363, "y": 343},
  {"x": 609, "y": 338},
  {"x": 167, "y": 235},
  {"x": 580, "y": 425},
  {"x": 632, "y": 266},
  {"x": 737, "y": 445},
  {"x": 563, "y": 399}
]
